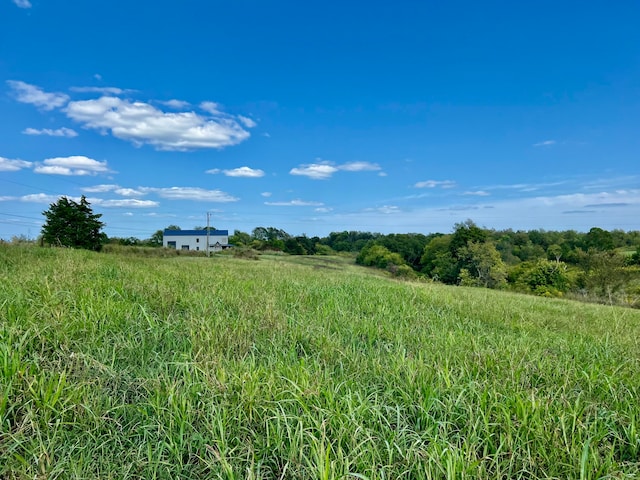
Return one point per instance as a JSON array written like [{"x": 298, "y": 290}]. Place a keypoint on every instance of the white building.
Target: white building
[{"x": 196, "y": 240}]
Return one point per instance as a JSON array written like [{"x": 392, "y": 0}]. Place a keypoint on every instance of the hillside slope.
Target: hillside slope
[{"x": 124, "y": 367}]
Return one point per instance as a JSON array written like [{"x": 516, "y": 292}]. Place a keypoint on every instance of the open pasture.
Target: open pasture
[{"x": 120, "y": 367}]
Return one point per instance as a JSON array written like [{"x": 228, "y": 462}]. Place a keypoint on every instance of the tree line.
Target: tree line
[{"x": 599, "y": 264}]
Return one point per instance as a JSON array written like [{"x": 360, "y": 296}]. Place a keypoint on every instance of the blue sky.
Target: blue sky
[{"x": 325, "y": 116}]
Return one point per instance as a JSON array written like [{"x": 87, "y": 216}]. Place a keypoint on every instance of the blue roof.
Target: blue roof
[{"x": 184, "y": 233}]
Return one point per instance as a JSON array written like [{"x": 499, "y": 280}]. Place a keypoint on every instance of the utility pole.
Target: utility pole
[{"x": 208, "y": 216}]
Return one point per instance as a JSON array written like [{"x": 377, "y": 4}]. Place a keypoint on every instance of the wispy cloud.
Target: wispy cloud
[
  {"x": 127, "y": 203},
  {"x": 526, "y": 187},
  {"x": 101, "y": 90},
  {"x": 59, "y": 132},
  {"x": 23, "y": 3},
  {"x": 477, "y": 193},
  {"x": 295, "y": 203},
  {"x": 360, "y": 167},
  {"x": 246, "y": 121},
  {"x": 70, "y": 166},
  {"x": 212, "y": 108},
  {"x": 545, "y": 143},
  {"x": 13, "y": 165},
  {"x": 43, "y": 198},
  {"x": 436, "y": 183},
  {"x": 176, "y": 104},
  {"x": 128, "y": 192},
  {"x": 26, "y": 93},
  {"x": 100, "y": 188},
  {"x": 191, "y": 193},
  {"x": 608, "y": 205},
  {"x": 245, "y": 172},
  {"x": 325, "y": 170},
  {"x": 385, "y": 209},
  {"x": 315, "y": 171}
]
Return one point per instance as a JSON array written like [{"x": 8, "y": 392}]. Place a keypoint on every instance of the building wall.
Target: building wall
[{"x": 195, "y": 240}]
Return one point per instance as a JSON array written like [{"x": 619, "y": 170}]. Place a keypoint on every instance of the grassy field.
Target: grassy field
[{"x": 302, "y": 368}]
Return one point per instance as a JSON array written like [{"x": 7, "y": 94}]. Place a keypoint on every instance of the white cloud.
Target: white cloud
[
  {"x": 42, "y": 198},
  {"x": 128, "y": 203},
  {"x": 142, "y": 123},
  {"x": 128, "y": 214},
  {"x": 385, "y": 209},
  {"x": 102, "y": 90},
  {"x": 128, "y": 192},
  {"x": 100, "y": 188},
  {"x": 323, "y": 209},
  {"x": 316, "y": 171},
  {"x": 359, "y": 167},
  {"x": 325, "y": 170},
  {"x": 266, "y": 194},
  {"x": 9, "y": 165},
  {"x": 247, "y": 122},
  {"x": 74, "y": 165},
  {"x": 176, "y": 104},
  {"x": 22, "y": 3},
  {"x": 245, "y": 172},
  {"x": 33, "y": 95},
  {"x": 211, "y": 107},
  {"x": 436, "y": 183},
  {"x": 294, "y": 203},
  {"x": 60, "y": 132},
  {"x": 191, "y": 193},
  {"x": 546, "y": 143},
  {"x": 117, "y": 189},
  {"x": 478, "y": 193},
  {"x": 97, "y": 76}
]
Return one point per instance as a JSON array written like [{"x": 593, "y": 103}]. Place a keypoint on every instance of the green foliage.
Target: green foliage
[
  {"x": 482, "y": 265},
  {"x": 156, "y": 239},
  {"x": 72, "y": 224},
  {"x": 604, "y": 273},
  {"x": 599, "y": 239},
  {"x": 542, "y": 277},
  {"x": 409, "y": 245},
  {"x": 437, "y": 260},
  {"x": 324, "y": 249},
  {"x": 374, "y": 255},
  {"x": 465, "y": 233}
]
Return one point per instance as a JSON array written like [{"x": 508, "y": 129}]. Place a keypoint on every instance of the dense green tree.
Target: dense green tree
[
  {"x": 483, "y": 266},
  {"x": 73, "y": 224},
  {"x": 604, "y": 273},
  {"x": 438, "y": 262},
  {"x": 375, "y": 255},
  {"x": 240, "y": 238},
  {"x": 599, "y": 239},
  {"x": 156, "y": 239},
  {"x": 409, "y": 245},
  {"x": 542, "y": 277},
  {"x": 465, "y": 233}
]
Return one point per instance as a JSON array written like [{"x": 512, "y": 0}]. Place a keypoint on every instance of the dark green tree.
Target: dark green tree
[
  {"x": 72, "y": 224},
  {"x": 156, "y": 239}
]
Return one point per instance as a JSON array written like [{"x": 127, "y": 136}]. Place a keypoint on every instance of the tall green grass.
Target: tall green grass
[{"x": 126, "y": 367}]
